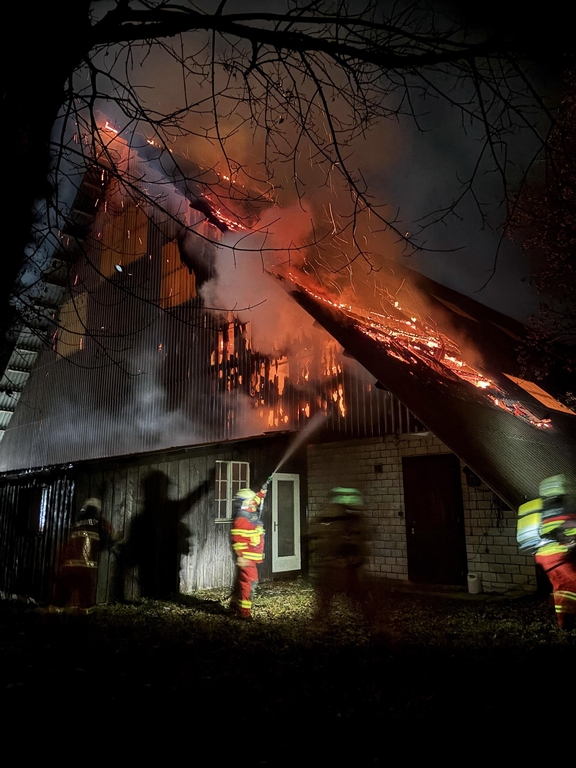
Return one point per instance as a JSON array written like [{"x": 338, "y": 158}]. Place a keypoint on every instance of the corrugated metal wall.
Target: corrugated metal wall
[
  {"x": 126, "y": 375},
  {"x": 32, "y": 534},
  {"x": 138, "y": 365}
]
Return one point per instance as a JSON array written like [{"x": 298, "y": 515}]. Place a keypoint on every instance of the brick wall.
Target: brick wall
[
  {"x": 374, "y": 466},
  {"x": 491, "y": 543}
]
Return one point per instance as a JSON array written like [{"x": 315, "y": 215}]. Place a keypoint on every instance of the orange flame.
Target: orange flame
[{"x": 414, "y": 340}]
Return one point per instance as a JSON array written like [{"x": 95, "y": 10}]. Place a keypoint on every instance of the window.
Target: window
[
  {"x": 230, "y": 477},
  {"x": 73, "y": 318},
  {"x": 32, "y": 509},
  {"x": 178, "y": 285}
]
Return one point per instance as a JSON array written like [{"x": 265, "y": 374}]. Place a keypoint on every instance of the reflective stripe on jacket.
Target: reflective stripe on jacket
[{"x": 248, "y": 538}]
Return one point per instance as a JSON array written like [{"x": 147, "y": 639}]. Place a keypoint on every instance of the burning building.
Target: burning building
[{"x": 162, "y": 408}]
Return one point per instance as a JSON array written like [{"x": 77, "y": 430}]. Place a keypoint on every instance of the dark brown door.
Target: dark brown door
[{"x": 434, "y": 519}]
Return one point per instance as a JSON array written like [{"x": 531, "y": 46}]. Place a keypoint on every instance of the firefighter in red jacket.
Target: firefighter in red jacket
[
  {"x": 78, "y": 574},
  {"x": 248, "y": 544}
]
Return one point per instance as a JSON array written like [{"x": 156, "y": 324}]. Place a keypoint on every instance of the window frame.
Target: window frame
[
  {"x": 72, "y": 325},
  {"x": 33, "y": 505},
  {"x": 226, "y": 487}
]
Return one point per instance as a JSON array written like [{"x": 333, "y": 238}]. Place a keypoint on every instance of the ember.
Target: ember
[{"x": 412, "y": 341}]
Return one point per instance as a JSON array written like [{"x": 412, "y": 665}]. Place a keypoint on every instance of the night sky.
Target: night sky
[{"x": 412, "y": 170}]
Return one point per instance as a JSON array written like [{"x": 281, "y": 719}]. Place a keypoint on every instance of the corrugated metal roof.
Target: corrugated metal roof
[{"x": 511, "y": 443}]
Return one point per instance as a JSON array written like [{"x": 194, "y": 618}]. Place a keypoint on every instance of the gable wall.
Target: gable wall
[{"x": 490, "y": 529}]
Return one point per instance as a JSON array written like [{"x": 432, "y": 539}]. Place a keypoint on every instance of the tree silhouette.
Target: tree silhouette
[
  {"x": 303, "y": 80},
  {"x": 544, "y": 220}
]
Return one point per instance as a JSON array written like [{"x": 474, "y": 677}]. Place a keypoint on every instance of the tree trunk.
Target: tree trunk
[{"x": 54, "y": 37}]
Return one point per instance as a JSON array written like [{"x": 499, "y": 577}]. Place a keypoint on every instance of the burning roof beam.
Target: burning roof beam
[{"x": 495, "y": 429}]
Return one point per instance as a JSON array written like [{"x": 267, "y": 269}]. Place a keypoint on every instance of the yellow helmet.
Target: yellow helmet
[
  {"x": 553, "y": 486},
  {"x": 247, "y": 494}
]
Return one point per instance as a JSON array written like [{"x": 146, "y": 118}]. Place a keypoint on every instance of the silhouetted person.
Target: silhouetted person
[
  {"x": 339, "y": 544},
  {"x": 159, "y": 537},
  {"x": 78, "y": 572}
]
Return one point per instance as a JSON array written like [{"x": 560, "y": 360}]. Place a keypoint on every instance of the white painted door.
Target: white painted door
[{"x": 286, "y": 554}]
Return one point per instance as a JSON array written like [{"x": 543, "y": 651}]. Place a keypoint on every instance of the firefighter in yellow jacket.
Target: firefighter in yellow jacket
[
  {"x": 547, "y": 527},
  {"x": 557, "y": 552},
  {"x": 247, "y": 536}
]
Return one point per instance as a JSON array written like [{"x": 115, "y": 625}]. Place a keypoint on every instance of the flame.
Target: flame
[
  {"x": 415, "y": 341},
  {"x": 223, "y": 218}
]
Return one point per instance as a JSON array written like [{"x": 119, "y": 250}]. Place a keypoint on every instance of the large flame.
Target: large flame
[{"x": 412, "y": 340}]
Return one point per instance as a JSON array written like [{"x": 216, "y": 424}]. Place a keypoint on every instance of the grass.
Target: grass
[{"x": 156, "y": 667}]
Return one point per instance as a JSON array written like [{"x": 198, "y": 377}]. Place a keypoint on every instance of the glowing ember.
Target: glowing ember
[
  {"x": 230, "y": 223},
  {"x": 415, "y": 342}
]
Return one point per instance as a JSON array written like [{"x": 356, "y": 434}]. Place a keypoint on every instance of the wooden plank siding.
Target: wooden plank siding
[
  {"x": 28, "y": 559},
  {"x": 208, "y": 562}
]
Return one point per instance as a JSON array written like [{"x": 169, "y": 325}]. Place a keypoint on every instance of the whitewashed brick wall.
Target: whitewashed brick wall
[
  {"x": 491, "y": 543},
  {"x": 490, "y": 530}
]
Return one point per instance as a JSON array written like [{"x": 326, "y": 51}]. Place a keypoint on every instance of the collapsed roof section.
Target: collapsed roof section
[{"x": 469, "y": 393}]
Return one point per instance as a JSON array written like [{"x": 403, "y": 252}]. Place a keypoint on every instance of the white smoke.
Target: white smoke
[{"x": 245, "y": 285}]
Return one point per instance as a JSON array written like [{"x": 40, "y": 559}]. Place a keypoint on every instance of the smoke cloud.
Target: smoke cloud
[{"x": 245, "y": 284}]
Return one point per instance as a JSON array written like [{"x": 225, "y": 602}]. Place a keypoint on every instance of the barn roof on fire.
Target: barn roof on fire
[
  {"x": 122, "y": 357},
  {"x": 453, "y": 363},
  {"x": 448, "y": 359}
]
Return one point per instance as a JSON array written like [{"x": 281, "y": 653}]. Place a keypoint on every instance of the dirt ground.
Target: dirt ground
[{"x": 188, "y": 677}]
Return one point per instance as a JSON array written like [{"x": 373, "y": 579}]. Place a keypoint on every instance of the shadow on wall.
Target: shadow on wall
[{"x": 158, "y": 537}]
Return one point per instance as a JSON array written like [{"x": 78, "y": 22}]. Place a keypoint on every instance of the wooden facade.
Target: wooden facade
[{"x": 141, "y": 497}]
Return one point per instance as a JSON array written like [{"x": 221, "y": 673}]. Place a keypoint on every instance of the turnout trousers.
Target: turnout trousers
[
  {"x": 561, "y": 571},
  {"x": 243, "y": 592}
]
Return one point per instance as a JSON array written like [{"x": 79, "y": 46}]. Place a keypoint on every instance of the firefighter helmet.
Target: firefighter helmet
[
  {"x": 91, "y": 508},
  {"x": 348, "y": 497},
  {"x": 246, "y": 494},
  {"x": 553, "y": 486}
]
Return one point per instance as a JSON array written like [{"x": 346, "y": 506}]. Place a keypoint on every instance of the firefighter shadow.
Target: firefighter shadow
[
  {"x": 213, "y": 607},
  {"x": 158, "y": 539}
]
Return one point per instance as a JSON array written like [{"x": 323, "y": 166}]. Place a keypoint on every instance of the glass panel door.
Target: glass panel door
[{"x": 286, "y": 554}]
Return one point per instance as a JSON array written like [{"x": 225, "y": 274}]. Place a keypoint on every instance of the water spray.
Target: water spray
[{"x": 315, "y": 423}]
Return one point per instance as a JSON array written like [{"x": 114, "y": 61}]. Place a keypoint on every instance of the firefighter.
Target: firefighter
[
  {"x": 247, "y": 536},
  {"x": 557, "y": 550},
  {"x": 78, "y": 573},
  {"x": 339, "y": 544}
]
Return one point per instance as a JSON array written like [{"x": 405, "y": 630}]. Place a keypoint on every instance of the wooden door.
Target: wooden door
[{"x": 435, "y": 536}]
